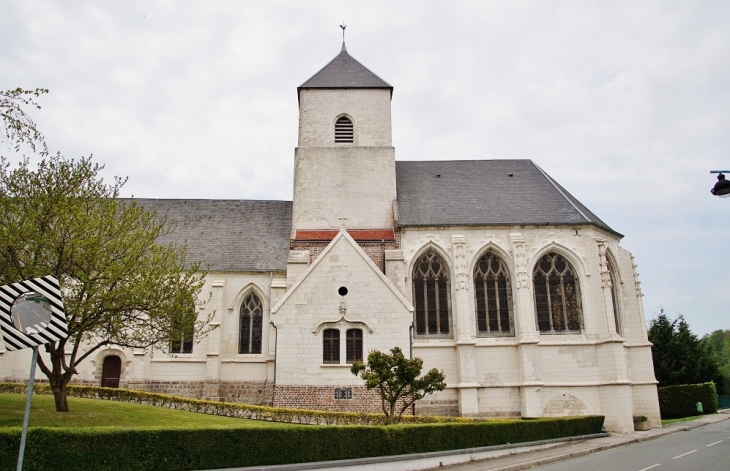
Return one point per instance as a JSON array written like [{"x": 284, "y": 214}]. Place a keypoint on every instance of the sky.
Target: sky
[{"x": 625, "y": 103}]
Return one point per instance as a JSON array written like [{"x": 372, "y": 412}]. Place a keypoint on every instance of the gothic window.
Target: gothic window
[
  {"x": 331, "y": 346},
  {"x": 432, "y": 295},
  {"x": 344, "y": 130},
  {"x": 354, "y": 345},
  {"x": 252, "y": 317},
  {"x": 614, "y": 296},
  {"x": 181, "y": 332},
  {"x": 493, "y": 292},
  {"x": 557, "y": 295}
]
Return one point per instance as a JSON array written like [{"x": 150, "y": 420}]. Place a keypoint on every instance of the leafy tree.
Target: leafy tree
[
  {"x": 396, "y": 379},
  {"x": 679, "y": 356},
  {"x": 718, "y": 342},
  {"x": 16, "y": 126},
  {"x": 119, "y": 286}
]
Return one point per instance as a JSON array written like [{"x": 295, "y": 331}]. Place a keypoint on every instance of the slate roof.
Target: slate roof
[
  {"x": 481, "y": 193},
  {"x": 229, "y": 235},
  {"x": 250, "y": 235},
  {"x": 344, "y": 72}
]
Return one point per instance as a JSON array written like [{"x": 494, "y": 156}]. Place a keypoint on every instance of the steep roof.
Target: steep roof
[
  {"x": 482, "y": 192},
  {"x": 344, "y": 72},
  {"x": 229, "y": 235}
]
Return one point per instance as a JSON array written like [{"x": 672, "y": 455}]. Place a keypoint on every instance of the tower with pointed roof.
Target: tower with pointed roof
[{"x": 344, "y": 172}]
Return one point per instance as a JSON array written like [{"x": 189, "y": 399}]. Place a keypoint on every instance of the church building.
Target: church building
[{"x": 488, "y": 270}]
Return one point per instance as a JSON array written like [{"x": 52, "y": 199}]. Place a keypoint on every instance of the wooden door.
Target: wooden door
[{"x": 111, "y": 371}]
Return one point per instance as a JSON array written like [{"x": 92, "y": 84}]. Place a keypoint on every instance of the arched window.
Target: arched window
[
  {"x": 557, "y": 295},
  {"x": 493, "y": 292},
  {"x": 614, "y": 296},
  {"x": 354, "y": 345},
  {"x": 432, "y": 295},
  {"x": 252, "y": 317},
  {"x": 344, "y": 130},
  {"x": 331, "y": 346},
  {"x": 181, "y": 332}
]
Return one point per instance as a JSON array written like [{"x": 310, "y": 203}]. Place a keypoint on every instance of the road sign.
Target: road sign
[{"x": 31, "y": 313}]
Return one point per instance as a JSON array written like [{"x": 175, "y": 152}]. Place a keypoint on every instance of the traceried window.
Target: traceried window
[
  {"x": 557, "y": 295},
  {"x": 354, "y": 345},
  {"x": 614, "y": 296},
  {"x": 432, "y": 296},
  {"x": 181, "y": 333},
  {"x": 344, "y": 130},
  {"x": 331, "y": 346},
  {"x": 252, "y": 317},
  {"x": 493, "y": 292}
]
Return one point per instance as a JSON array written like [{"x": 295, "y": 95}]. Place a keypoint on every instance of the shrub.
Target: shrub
[
  {"x": 640, "y": 418},
  {"x": 680, "y": 401},
  {"x": 215, "y": 448}
]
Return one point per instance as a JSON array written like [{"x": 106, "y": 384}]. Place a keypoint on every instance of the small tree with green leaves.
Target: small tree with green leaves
[{"x": 396, "y": 379}]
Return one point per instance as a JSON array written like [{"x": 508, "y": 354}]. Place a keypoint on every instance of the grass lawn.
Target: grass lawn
[
  {"x": 99, "y": 413},
  {"x": 683, "y": 419}
]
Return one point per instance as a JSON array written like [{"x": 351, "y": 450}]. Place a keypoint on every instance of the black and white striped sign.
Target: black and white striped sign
[{"x": 34, "y": 299}]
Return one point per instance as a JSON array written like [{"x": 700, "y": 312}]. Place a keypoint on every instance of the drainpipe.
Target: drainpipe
[
  {"x": 271, "y": 300},
  {"x": 382, "y": 252},
  {"x": 276, "y": 342},
  {"x": 410, "y": 340}
]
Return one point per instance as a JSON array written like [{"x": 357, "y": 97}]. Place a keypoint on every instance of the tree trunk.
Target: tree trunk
[{"x": 58, "y": 386}]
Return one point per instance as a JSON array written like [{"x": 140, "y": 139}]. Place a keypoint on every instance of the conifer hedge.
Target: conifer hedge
[{"x": 680, "y": 401}]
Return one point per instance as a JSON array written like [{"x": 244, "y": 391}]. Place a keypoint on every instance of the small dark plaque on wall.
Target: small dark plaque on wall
[{"x": 343, "y": 393}]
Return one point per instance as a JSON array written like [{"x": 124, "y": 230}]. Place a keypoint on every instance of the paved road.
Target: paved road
[
  {"x": 702, "y": 444},
  {"x": 30, "y": 317},
  {"x": 705, "y": 448}
]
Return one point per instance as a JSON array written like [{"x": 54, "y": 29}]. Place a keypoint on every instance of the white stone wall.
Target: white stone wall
[
  {"x": 356, "y": 183},
  {"x": 594, "y": 371},
  {"x": 369, "y": 110},
  {"x": 313, "y": 305}
]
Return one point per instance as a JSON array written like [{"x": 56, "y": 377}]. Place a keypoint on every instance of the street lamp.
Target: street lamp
[{"x": 722, "y": 187}]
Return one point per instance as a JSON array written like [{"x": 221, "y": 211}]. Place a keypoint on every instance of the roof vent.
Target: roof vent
[{"x": 344, "y": 131}]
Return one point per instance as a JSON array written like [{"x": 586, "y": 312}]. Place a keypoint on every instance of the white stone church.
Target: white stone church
[{"x": 488, "y": 270}]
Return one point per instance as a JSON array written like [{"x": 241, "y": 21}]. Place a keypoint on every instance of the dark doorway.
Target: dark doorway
[{"x": 111, "y": 372}]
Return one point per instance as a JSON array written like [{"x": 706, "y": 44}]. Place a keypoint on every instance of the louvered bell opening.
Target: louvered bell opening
[{"x": 344, "y": 131}]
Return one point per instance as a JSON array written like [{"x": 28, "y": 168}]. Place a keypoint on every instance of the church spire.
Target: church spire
[{"x": 343, "y": 26}]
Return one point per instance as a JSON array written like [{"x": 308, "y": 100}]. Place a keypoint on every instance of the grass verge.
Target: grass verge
[
  {"x": 95, "y": 413},
  {"x": 683, "y": 419}
]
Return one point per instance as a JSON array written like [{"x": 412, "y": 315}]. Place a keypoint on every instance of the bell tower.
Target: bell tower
[{"x": 344, "y": 163}]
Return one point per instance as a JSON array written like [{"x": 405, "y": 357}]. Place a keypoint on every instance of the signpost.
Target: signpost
[{"x": 31, "y": 314}]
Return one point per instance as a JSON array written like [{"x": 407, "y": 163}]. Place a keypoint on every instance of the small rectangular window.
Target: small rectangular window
[
  {"x": 331, "y": 346},
  {"x": 354, "y": 345}
]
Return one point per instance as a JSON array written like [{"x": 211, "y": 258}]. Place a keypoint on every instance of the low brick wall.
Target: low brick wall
[
  {"x": 448, "y": 408},
  {"x": 192, "y": 389},
  {"x": 246, "y": 392},
  {"x": 323, "y": 398}
]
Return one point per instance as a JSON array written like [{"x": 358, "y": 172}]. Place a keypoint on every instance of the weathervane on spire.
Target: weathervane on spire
[{"x": 343, "y": 26}]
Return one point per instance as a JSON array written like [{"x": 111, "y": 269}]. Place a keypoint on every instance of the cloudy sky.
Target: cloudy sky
[{"x": 626, "y": 104}]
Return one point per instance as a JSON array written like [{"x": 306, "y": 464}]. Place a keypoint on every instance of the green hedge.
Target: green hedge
[
  {"x": 679, "y": 401},
  {"x": 228, "y": 409},
  {"x": 183, "y": 449}
]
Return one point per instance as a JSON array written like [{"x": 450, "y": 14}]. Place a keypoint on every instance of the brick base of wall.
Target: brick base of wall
[
  {"x": 323, "y": 398},
  {"x": 441, "y": 408},
  {"x": 246, "y": 392}
]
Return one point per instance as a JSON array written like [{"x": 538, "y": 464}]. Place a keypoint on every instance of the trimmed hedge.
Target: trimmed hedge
[
  {"x": 214, "y": 448},
  {"x": 679, "y": 401},
  {"x": 228, "y": 409}
]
